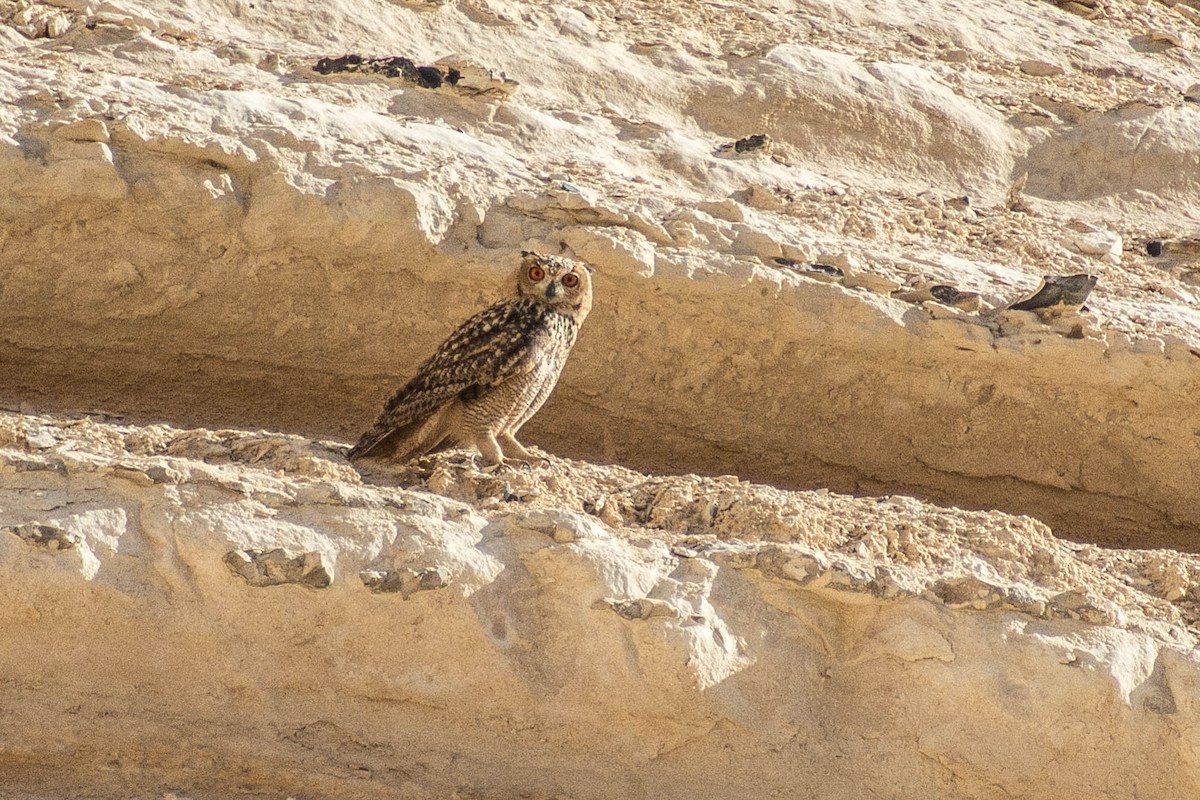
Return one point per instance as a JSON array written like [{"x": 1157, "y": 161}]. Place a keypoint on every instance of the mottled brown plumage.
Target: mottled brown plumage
[{"x": 493, "y": 373}]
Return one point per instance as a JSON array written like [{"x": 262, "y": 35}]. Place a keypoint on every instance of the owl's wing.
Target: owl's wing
[{"x": 486, "y": 350}]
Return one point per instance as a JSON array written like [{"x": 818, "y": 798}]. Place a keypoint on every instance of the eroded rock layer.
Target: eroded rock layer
[
  {"x": 216, "y": 612},
  {"x": 240, "y": 217},
  {"x": 808, "y": 224}
]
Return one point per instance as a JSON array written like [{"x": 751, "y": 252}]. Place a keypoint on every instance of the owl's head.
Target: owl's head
[{"x": 561, "y": 283}]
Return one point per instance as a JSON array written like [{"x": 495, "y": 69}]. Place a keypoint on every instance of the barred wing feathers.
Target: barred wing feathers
[{"x": 486, "y": 350}]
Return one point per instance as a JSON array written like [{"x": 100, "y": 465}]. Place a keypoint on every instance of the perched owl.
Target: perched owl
[{"x": 493, "y": 373}]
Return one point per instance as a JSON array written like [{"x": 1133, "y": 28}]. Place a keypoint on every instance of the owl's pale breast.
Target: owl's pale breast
[
  {"x": 549, "y": 368},
  {"x": 508, "y": 406}
]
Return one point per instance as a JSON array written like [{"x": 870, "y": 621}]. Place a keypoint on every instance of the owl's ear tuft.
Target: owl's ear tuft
[{"x": 528, "y": 254}]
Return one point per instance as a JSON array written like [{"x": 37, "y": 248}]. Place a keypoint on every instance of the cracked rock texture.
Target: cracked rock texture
[
  {"x": 807, "y": 222},
  {"x": 565, "y": 631},
  {"x": 200, "y": 226}
]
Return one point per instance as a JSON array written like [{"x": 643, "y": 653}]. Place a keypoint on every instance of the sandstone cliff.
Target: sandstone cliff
[
  {"x": 205, "y": 226},
  {"x": 222, "y": 613}
]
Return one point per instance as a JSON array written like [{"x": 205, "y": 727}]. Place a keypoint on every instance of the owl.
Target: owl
[{"x": 492, "y": 374}]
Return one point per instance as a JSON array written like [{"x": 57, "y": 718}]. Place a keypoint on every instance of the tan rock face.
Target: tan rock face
[
  {"x": 202, "y": 227},
  {"x": 199, "y": 227},
  {"x": 226, "y": 611}
]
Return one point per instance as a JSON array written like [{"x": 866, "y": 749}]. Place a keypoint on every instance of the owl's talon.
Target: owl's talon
[{"x": 529, "y": 461}]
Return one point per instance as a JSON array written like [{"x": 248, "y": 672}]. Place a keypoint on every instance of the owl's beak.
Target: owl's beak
[{"x": 552, "y": 290}]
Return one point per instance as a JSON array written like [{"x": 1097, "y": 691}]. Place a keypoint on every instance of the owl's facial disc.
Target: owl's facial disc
[{"x": 558, "y": 282}]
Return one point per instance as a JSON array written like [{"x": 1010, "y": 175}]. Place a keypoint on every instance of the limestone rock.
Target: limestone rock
[
  {"x": 754, "y": 145},
  {"x": 276, "y": 567},
  {"x": 1040, "y": 69},
  {"x": 405, "y": 581},
  {"x": 1107, "y": 245},
  {"x": 217, "y": 263},
  {"x": 705, "y": 601},
  {"x": 50, "y": 537},
  {"x": 83, "y": 130},
  {"x": 452, "y": 73}
]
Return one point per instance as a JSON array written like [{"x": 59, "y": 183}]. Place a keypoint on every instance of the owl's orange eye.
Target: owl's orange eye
[
  {"x": 570, "y": 280},
  {"x": 536, "y": 273}
]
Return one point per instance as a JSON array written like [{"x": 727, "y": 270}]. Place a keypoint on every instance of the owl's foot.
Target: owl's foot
[
  {"x": 489, "y": 452},
  {"x": 513, "y": 451},
  {"x": 529, "y": 461},
  {"x": 511, "y": 464},
  {"x": 503, "y": 452}
]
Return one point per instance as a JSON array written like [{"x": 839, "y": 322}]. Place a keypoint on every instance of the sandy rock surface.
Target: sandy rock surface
[
  {"x": 210, "y": 221},
  {"x": 221, "y": 612},
  {"x": 807, "y": 222}
]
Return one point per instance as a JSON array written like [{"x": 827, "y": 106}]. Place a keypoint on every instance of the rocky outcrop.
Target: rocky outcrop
[
  {"x": 220, "y": 611},
  {"x": 808, "y": 225},
  {"x": 202, "y": 226}
]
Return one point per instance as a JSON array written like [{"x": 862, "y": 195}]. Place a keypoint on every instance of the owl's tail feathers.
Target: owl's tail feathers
[
  {"x": 405, "y": 442},
  {"x": 368, "y": 442},
  {"x": 384, "y": 431}
]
